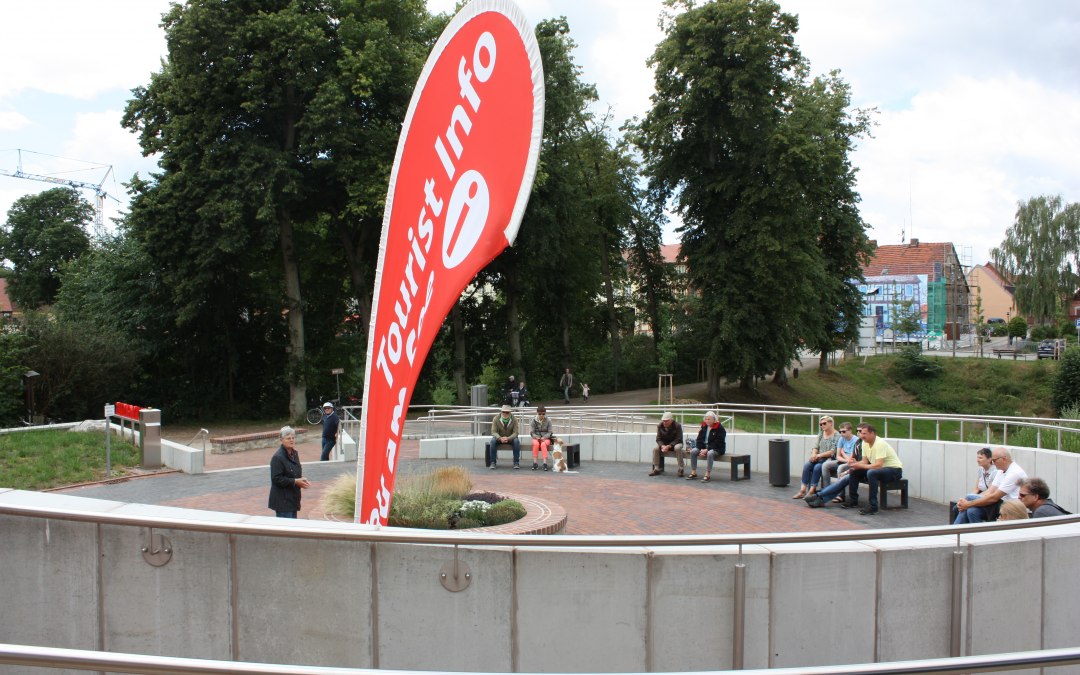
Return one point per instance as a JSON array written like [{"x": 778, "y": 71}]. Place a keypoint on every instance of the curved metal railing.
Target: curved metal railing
[
  {"x": 79, "y": 659},
  {"x": 1035, "y": 432}
]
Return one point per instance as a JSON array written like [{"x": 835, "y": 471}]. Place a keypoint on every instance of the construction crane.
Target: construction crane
[{"x": 99, "y": 192}]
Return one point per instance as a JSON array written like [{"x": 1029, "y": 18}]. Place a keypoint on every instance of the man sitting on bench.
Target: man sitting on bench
[
  {"x": 504, "y": 431},
  {"x": 669, "y": 438}
]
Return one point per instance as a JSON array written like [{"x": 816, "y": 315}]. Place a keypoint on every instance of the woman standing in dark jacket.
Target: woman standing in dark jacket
[
  {"x": 711, "y": 443},
  {"x": 286, "y": 477}
]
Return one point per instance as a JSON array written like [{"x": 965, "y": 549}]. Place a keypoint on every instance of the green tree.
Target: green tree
[
  {"x": 547, "y": 281},
  {"x": 906, "y": 318},
  {"x": 1018, "y": 327},
  {"x": 275, "y": 125},
  {"x": 1066, "y": 390},
  {"x": 13, "y": 352},
  {"x": 81, "y": 366},
  {"x": 730, "y": 142},
  {"x": 1040, "y": 254},
  {"x": 42, "y": 233}
]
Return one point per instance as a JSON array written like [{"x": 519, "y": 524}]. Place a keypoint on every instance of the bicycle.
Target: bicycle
[{"x": 315, "y": 415}]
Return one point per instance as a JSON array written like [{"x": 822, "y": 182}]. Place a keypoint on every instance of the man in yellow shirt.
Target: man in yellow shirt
[{"x": 879, "y": 464}]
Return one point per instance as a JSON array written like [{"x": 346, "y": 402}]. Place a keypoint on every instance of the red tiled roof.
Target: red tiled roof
[
  {"x": 912, "y": 258},
  {"x": 670, "y": 252}
]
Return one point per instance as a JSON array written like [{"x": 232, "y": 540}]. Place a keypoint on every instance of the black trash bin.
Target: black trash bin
[{"x": 779, "y": 462}]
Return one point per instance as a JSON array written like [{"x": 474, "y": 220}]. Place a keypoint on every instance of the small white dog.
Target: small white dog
[{"x": 558, "y": 457}]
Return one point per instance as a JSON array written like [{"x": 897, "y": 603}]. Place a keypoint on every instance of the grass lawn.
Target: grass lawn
[
  {"x": 970, "y": 386},
  {"x": 35, "y": 460}
]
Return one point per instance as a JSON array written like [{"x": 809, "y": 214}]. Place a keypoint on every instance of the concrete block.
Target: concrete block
[
  {"x": 959, "y": 470},
  {"x": 1065, "y": 489},
  {"x": 319, "y": 589},
  {"x": 1060, "y": 610},
  {"x": 815, "y": 585},
  {"x": 181, "y": 457},
  {"x": 346, "y": 447},
  {"x": 178, "y": 609},
  {"x": 580, "y": 611},
  {"x": 1004, "y": 585},
  {"x": 910, "y": 454},
  {"x": 423, "y": 626},
  {"x": 1025, "y": 457},
  {"x": 50, "y": 583},
  {"x": 914, "y": 601},
  {"x": 604, "y": 448},
  {"x": 433, "y": 448},
  {"x": 628, "y": 448},
  {"x": 931, "y": 483},
  {"x": 695, "y": 588},
  {"x": 584, "y": 441},
  {"x": 466, "y": 448}
]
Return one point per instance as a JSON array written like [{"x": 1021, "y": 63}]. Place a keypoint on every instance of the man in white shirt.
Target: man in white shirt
[{"x": 1006, "y": 485}]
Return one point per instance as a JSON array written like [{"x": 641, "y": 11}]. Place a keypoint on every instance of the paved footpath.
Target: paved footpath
[{"x": 600, "y": 498}]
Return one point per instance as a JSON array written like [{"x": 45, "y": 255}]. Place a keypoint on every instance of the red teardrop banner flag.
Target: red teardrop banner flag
[{"x": 465, "y": 164}]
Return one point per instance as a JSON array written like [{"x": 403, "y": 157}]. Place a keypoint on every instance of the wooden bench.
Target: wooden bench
[
  {"x": 1009, "y": 350},
  {"x": 223, "y": 445},
  {"x": 736, "y": 461},
  {"x": 885, "y": 487},
  {"x": 501, "y": 446}
]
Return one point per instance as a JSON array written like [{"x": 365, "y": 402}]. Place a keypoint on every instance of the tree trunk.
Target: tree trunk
[
  {"x": 613, "y": 315},
  {"x": 513, "y": 332},
  {"x": 564, "y": 324},
  {"x": 295, "y": 372},
  {"x": 458, "y": 327},
  {"x": 823, "y": 362},
  {"x": 780, "y": 377},
  {"x": 362, "y": 288},
  {"x": 295, "y": 313}
]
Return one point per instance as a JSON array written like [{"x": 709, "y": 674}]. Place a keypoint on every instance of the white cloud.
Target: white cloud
[
  {"x": 952, "y": 166},
  {"x": 979, "y": 100},
  {"x": 12, "y": 121},
  {"x": 76, "y": 48}
]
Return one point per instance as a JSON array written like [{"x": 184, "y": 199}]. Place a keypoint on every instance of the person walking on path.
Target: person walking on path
[
  {"x": 330, "y": 423},
  {"x": 566, "y": 382},
  {"x": 286, "y": 477}
]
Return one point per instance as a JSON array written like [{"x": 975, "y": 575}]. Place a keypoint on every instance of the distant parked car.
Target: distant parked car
[
  {"x": 995, "y": 320},
  {"x": 1051, "y": 349}
]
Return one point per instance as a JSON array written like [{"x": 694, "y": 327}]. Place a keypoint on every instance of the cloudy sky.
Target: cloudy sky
[{"x": 978, "y": 100}]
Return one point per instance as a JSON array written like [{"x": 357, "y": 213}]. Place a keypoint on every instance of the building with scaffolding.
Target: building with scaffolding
[{"x": 929, "y": 275}]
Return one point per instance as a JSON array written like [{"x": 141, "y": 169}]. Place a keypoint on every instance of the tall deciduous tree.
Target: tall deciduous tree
[
  {"x": 275, "y": 143},
  {"x": 1040, "y": 254},
  {"x": 733, "y": 129},
  {"x": 42, "y": 233}
]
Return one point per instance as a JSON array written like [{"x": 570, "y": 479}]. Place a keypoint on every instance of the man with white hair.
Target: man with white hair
[
  {"x": 669, "y": 439},
  {"x": 1006, "y": 485}
]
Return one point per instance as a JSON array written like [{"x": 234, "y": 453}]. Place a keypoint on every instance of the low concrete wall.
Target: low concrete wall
[
  {"x": 352, "y": 602},
  {"x": 937, "y": 471}
]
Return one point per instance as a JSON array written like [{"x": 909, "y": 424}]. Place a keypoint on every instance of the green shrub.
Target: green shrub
[
  {"x": 912, "y": 364},
  {"x": 1066, "y": 389},
  {"x": 506, "y": 511}
]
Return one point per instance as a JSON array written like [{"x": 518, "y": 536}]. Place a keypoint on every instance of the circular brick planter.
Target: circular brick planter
[{"x": 541, "y": 517}]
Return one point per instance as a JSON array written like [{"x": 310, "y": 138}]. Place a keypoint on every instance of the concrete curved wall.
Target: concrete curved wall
[
  {"x": 370, "y": 604},
  {"x": 937, "y": 471}
]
